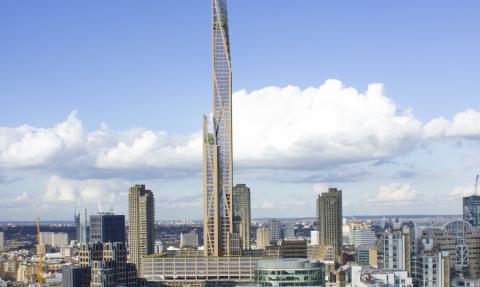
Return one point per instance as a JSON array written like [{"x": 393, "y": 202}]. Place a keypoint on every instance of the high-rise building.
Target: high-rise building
[
  {"x": 81, "y": 227},
  {"x": 262, "y": 240},
  {"x": 141, "y": 224},
  {"x": 471, "y": 210},
  {"x": 107, "y": 227},
  {"x": 2, "y": 241},
  {"x": 189, "y": 240},
  {"x": 329, "y": 216},
  {"x": 107, "y": 263},
  {"x": 242, "y": 214},
  {"x": 274, "y": 231},
  {"x": 219, "y": 236},
  {"x": 54, "y": 239},
  {"x": 396, "y": 245},
  {"x": 75, "y": 276}
]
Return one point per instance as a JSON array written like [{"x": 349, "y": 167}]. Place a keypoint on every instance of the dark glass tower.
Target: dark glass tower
[
  {"x": 107, "y": 227},
  {"x": 471, "y": 210}
]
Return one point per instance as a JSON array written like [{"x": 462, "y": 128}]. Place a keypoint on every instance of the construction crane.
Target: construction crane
[
  {"x": 476, "y": 185},
  {"x": 40, "y": 251}
]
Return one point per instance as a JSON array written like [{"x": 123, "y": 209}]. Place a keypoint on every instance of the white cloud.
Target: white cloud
[
  {"x": 88, "y": 191},
  {"x": 462, "y": 191},
  {"x": 464, "y": 124},
  {"x": 395, "y": 193},
  {"x": 26, "y": 146},
  {"x": 274, "y": 128}
]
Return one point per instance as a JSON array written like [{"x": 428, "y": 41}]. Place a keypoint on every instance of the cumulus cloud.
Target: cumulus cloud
[
  {"x": 59, "y": 190},
  {"x": 27, "y": 146},
  {"x": 464, "y": 124},
  {"x": 395, "y": 193},
  {"x": 277, "y": 129}
]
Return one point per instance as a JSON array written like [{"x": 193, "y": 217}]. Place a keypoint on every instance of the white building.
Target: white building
[
  {"x": 54, "y": 239},
  {"x": 431, "y": 269},
  {"x": 396, "y": 249},
  {"x": 362, "y": 237},
  {"x": 366, "y": 277},
  {"x": 314, "y": 237}
]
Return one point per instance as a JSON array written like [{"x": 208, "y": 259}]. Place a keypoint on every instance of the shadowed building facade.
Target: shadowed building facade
[
  {"x": 329, "y": 216},
  {"x": 242, "y": 214},
  {"x": 219, "y": 236},
  {"x": 141, "y": 224}
]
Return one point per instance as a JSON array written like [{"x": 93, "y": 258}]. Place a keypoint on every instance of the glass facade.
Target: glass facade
[
  {"x": 217, "y": 161},
  {"x": 471, "y": 210},
  {"x": 289, "y": 273}
]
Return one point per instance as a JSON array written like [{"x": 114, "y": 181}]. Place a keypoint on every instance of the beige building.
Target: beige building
[
  {"x": 329, "y": 216},
  {"x": 242, "y": 213},
  {"x": 263, "y": 239},
  {"x": 141, "y": 224},
  {"x": 195, "y": 271},
  {"x": 26, "y": 272},
  {"x": 220, "y": 238}
]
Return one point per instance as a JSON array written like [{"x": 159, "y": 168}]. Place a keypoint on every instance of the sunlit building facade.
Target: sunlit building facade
[{"x": 220, "y": 238}]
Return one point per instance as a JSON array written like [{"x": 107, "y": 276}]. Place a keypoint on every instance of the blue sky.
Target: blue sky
[{"x": 146, "y": 65}]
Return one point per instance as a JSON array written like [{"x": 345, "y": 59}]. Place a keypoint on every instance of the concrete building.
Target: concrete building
[
  {"x": 107, "y": 227},
  {"x": 289, "y": 272},
  {"x": 314, "y": 237},
  {"x": 362, "y": 276},
  {"x": 462, "y": 242},
  {"x": 396, "y": 245},
  {"x": 105, "y": 259},
  {"x": 263, "y": 240},
  {"x": 367, "y": 255},
  {"x": 471, "y": 210},
  {"x": 274, "y": 231},
  {"x": 431, "y": 269},
  {"x": 81, "y": 227},
  {"x": 242, "y": 214},
  {"x": 362, "y": 237},
  {"x": 293, "y": 248},
  {"x": 329, "y": 216},
  {"x": 26, "y": 272},
  {"x": 141, "y": 224},
  {"x": 189, "y": 240},
  {"x": 2, "y": 241},
  {"x": 54, "y": 239},
  {"x": 196, "y": 271}
]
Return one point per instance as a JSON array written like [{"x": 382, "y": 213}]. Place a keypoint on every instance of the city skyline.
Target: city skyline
[{"x": 386, "y": 157}]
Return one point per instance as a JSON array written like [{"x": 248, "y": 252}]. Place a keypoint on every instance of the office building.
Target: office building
[
  {"x": 314, "y": 237},
  {"x": 197, "y": 270},
  {"x": 54, "y": 239},
  {"x": 329, "y": 216},
  {"x": 431, "y": 269},
  {"x": 262, "y": 239},
  {"x": 274, "y": 231},
  {"x": 396, "y": 245},
  {"x": 75, "y": 276},
  {"x": 289, "y": 272},
  {"x": 189, "y": 240},
  {"x": 2, "y": 241},
  {"x": 219, "y": 236},
  {"x": 462, "y": 243},
  {"x": 471, "y": 210},
  {"x": 107, "y": 227},
  {"x": 81, "y": 227},
  {"x": 242, "y": 213},
  {"x": 367, "y": 255},
  {"x": 108, "y": 263},
  {"x": 361, "y": 237},
  {"x": 141, "y": 224},
  {"x": 293, "y": 248}
]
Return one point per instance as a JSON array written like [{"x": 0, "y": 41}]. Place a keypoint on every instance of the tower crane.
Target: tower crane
[{"x": 40, "y": 280}]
